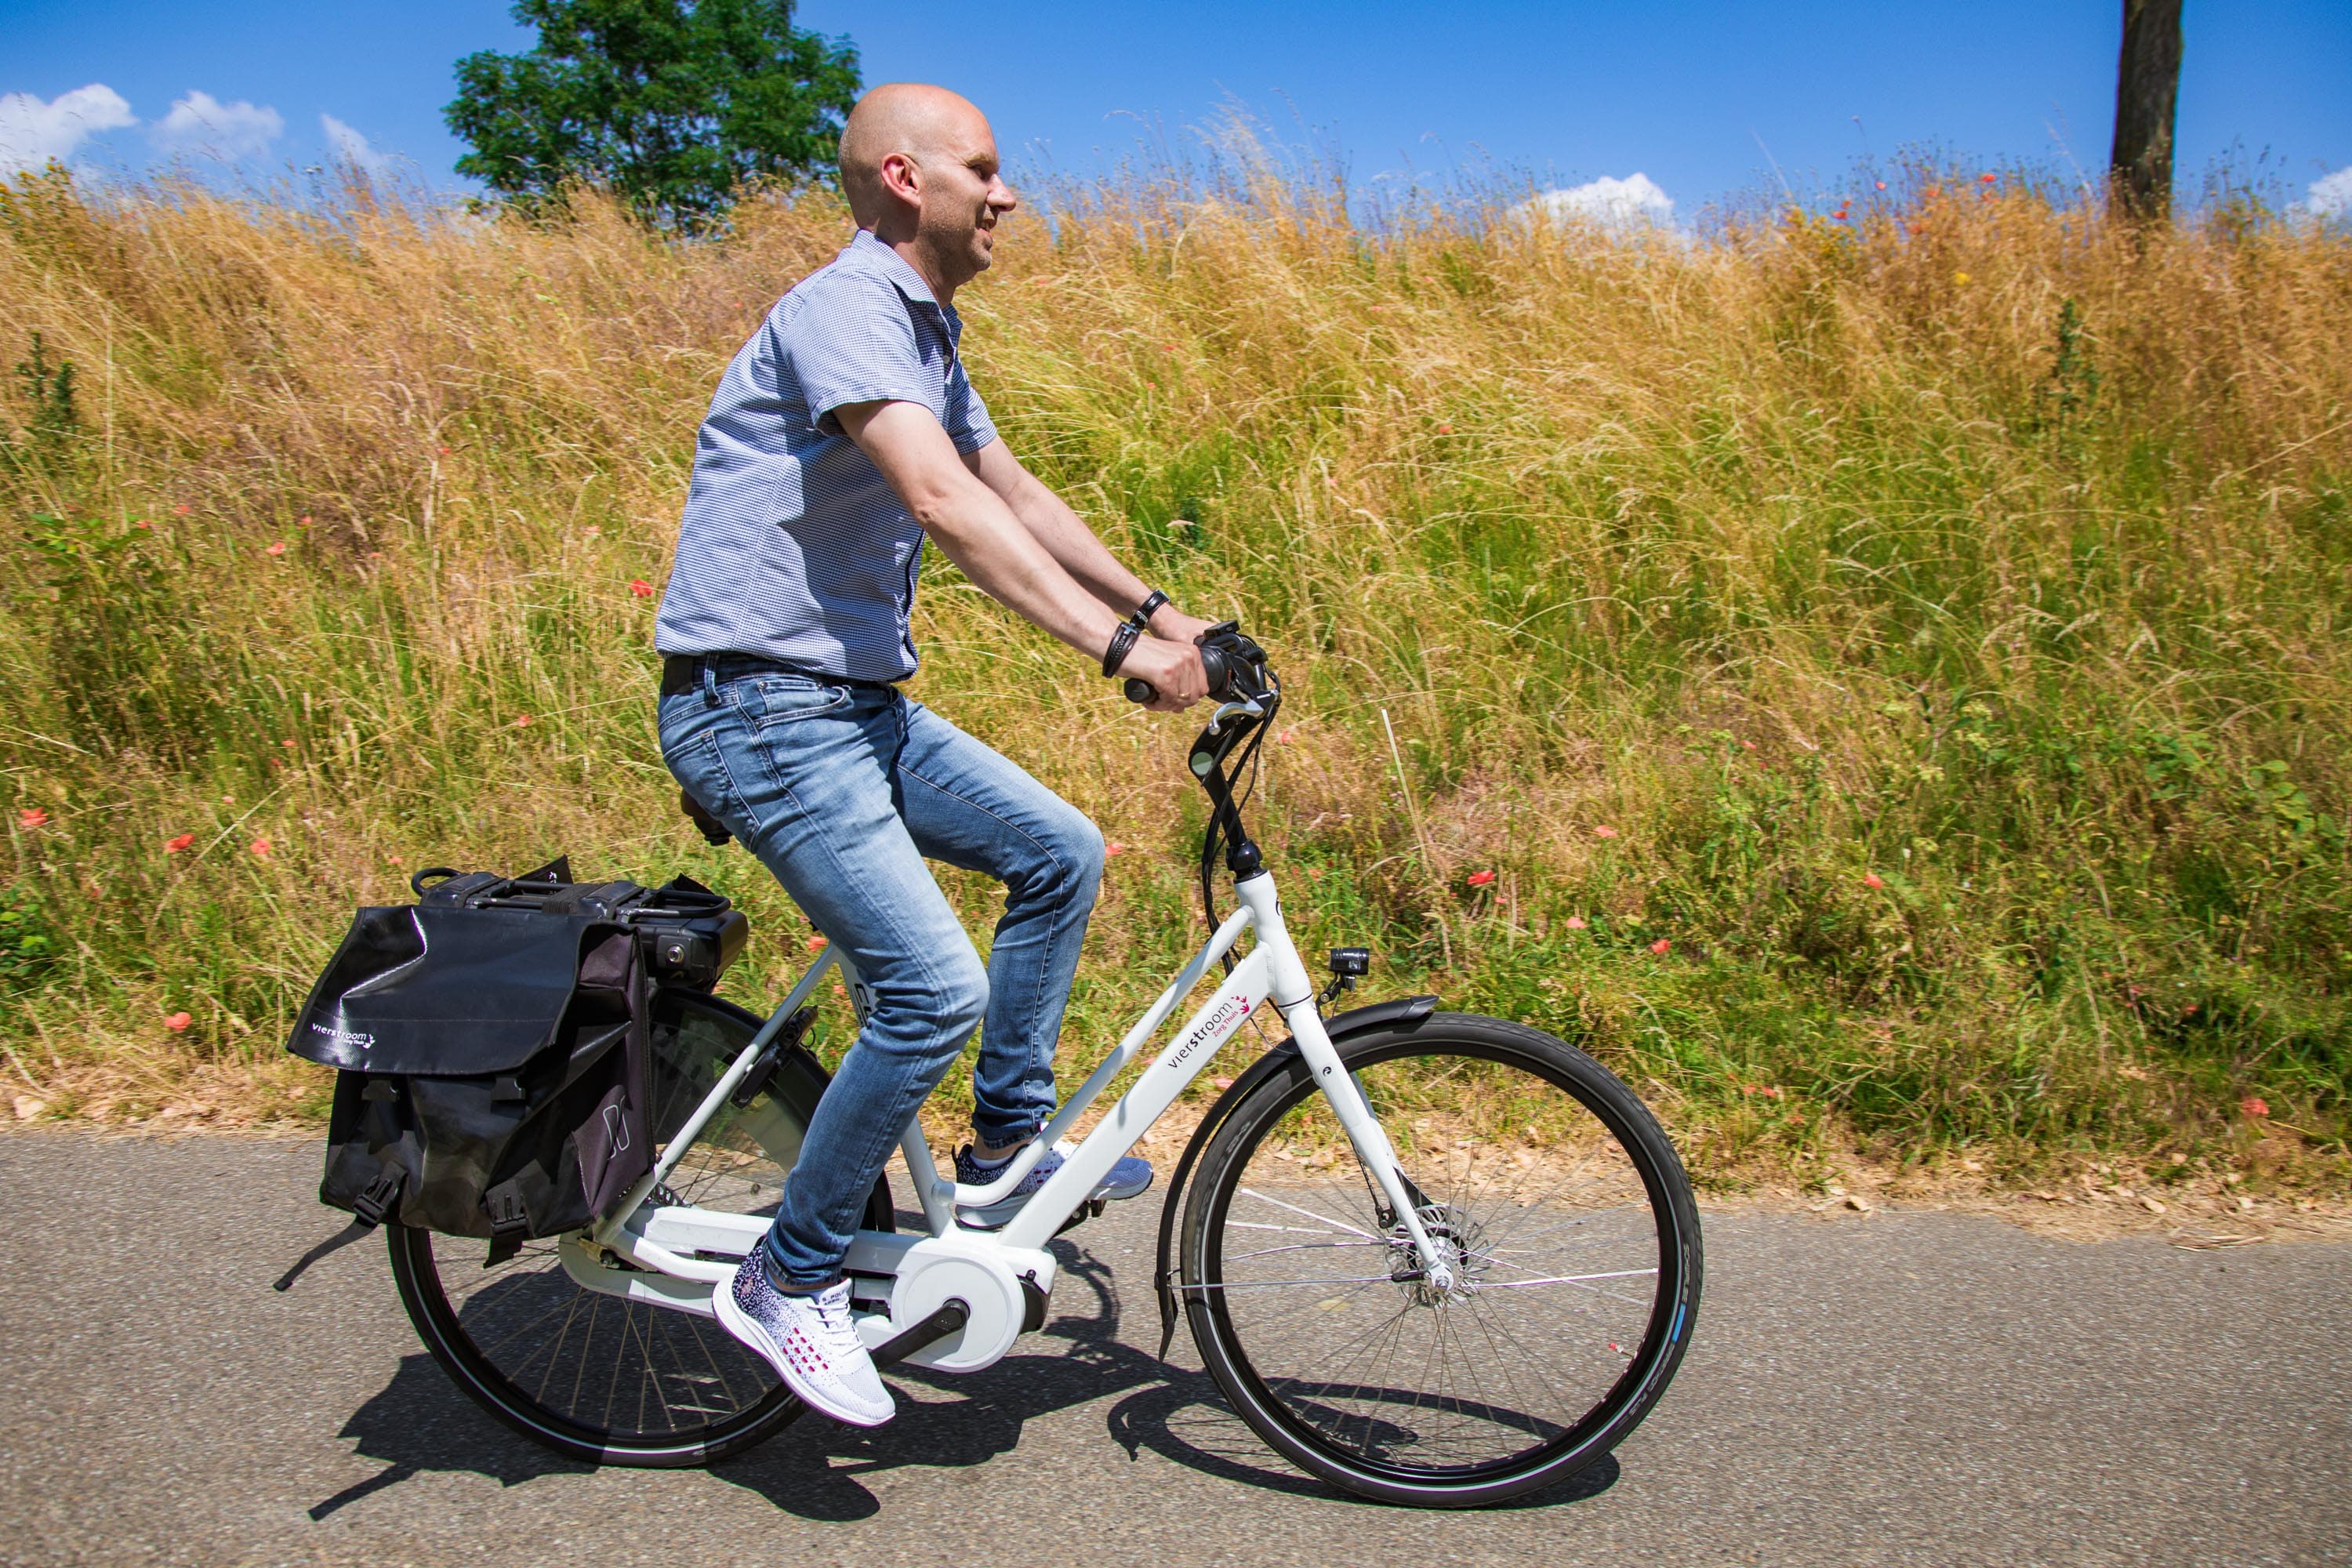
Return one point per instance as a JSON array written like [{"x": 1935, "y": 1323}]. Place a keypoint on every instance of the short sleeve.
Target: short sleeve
[
  {"x": 852, "y": 342},
  {"x": 967, "y": 421}
]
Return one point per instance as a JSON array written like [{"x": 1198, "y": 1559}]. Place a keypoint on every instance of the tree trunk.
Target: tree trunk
[{"x": 2148, "y": 81}]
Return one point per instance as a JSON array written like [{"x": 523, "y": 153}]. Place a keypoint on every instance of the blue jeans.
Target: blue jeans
[{"x": 842, "y": 790}]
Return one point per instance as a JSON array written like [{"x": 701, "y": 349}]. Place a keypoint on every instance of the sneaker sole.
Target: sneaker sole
[{"x": 738, "y": 1322}]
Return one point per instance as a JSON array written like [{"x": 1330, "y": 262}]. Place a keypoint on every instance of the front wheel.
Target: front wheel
[{"x": 1567, "y": 1221}]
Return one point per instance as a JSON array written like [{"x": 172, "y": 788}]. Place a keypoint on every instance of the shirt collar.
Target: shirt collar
[{"x": 869, "y": 251}]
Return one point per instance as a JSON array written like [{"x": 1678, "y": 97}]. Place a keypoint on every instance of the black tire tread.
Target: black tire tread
[{"x": 1617, "y": 1106}]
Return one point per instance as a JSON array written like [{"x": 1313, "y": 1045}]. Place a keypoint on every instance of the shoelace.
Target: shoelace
[{"x": 834, "y": 1324}]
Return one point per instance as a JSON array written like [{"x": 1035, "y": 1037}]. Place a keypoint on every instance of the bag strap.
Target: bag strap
[{"x": 509, "y": 1222}]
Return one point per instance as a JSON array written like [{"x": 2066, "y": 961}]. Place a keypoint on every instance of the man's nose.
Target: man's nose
[{"x": 1003, "y": 197}]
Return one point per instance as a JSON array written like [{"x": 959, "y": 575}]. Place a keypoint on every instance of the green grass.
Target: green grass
[{"x": 1930, "y": 630}]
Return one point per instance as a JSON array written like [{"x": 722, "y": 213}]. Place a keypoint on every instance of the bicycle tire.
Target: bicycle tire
[
  {"x": 698, "y": 1395},
  {"x": 1357, "y": 1433}
]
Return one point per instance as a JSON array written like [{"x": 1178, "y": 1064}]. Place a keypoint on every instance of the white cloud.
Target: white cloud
[
  {"x": 352, "y": 148},
  {"x": 202, "y": 124},
  {"x": 1634, "y": 201},
  {"x": 2330, "y": 197},
  {"x": 32, "y": 132}
]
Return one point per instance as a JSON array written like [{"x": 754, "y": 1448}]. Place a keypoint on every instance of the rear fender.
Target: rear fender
[{"x": 1403, "y": 1012}]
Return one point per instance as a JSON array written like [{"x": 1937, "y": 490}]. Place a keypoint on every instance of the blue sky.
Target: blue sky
[{"x": 1694, "y": 96}]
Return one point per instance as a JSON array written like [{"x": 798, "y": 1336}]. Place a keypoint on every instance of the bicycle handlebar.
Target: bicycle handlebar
[
  {"x": 1213, "y": 661},
  {"x": 1234, "y": 665}
]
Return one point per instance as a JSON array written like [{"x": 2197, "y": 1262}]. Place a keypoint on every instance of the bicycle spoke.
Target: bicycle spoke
[{"x": 1547, "y": 1255}]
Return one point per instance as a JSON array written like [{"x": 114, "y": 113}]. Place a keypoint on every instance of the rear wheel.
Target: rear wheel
[
  {"x": 1568, "y": 1225},
  {"x": 591, "y": 1374}
]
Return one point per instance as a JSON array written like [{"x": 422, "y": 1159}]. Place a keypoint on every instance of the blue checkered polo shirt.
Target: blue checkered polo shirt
[{"x": 793, "y": 546}]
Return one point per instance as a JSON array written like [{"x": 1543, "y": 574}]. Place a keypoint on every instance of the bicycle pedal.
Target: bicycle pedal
[{"x": 1083, "y": 1213}]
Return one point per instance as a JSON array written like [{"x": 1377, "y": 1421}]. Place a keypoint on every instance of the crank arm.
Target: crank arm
[{"x": 938, "y": 1326}]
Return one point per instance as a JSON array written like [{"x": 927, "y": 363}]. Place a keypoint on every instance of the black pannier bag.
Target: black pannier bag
[{"x": 492, "y": 1047}]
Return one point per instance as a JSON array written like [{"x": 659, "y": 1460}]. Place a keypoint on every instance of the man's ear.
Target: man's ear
[{"x": 902, "y": 177}]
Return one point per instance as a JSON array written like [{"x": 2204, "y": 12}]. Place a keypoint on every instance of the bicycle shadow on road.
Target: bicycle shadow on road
[
  {"x": 954, "y": 1421},
  {"x": 419, "y": 1422},
  {"x": 812, "y": 1469}
]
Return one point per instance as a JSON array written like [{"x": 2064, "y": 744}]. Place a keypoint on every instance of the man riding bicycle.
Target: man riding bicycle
[{"x": 843, "y": 434}]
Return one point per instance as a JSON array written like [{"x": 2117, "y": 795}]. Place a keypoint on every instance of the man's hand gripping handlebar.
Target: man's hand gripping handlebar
[{"x": 1234, "y": 665}]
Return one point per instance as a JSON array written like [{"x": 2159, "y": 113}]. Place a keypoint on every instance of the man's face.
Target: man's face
[{"x": 963, "y": 196}]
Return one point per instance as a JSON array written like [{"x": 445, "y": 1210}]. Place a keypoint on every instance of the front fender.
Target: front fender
[{"x": 1401, "y": 1012}]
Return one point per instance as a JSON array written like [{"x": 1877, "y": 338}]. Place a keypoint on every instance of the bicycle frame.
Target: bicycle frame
[{"x": 676, "y": 1247}]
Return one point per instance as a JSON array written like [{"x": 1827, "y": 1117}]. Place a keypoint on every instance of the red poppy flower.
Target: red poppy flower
[
  {"x": 174, "y": 845},
  {"x": 2255, "y": 1105},
  {"x": 1574, "y": 923},
  {"x": 1872, "y": 879},
  {"x": 1445, "y": 429},
  {"x": 1988, "y": 179},
  {"x": 1882, "y": 185},
  {"x": 1221, "y": 1083},
  {"x": 141, "y": 523},
  {"x": 1114, "y": 848},
  {"x": 817, "y": 944},
  {"x": 1285, "y": 737},
  {"x": 1750, "y": 745},
  {"x": 1662, "y": 947},
  {"x": 261, "y": 847},
  {"x": 33, "y": 817},
  {"x": 277, "y": 549},
  {"x": 287, "y": 744},
  {"x": 442, "y": 451},
  {"x": 1604, "y": 831},
  {"x": 181, "y": 509},
  {"x": 177, "y": 1022},
  {"x": 1480, "y": 878},
  {"x": 306, "y": 520}
]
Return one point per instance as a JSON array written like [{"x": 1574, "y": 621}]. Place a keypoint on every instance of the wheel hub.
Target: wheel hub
[{"x": 1461, "y": 1243}]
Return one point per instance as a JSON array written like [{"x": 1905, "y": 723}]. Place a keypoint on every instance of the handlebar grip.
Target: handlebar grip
[{"x": 1212, "y": 664}]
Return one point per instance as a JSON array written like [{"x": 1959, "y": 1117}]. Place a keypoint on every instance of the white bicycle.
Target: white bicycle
[{"x": 1430, "y": 1258}]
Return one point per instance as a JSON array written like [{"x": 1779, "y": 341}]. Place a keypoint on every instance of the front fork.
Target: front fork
[{"x": 1338, "y": 1086}]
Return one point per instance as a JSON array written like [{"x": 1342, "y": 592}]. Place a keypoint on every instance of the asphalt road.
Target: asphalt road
[{"x": 1900, "y": 1389}]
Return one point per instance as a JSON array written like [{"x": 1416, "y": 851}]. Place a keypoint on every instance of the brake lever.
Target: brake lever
[{"x": 1229, "y": 712}]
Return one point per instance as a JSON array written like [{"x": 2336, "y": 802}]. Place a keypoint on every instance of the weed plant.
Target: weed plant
[{"x": 1881, "y": 684}]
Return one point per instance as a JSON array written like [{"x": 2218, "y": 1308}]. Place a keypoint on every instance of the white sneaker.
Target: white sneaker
[{"x": 810, "y": 1340}]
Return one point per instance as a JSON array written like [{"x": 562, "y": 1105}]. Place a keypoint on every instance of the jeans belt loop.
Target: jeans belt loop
[{"x": 710, "y": 684}]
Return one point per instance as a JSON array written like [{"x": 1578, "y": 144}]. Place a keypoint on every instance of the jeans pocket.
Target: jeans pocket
[
  {"x": 699, "y": 763},
  {"x": 787, "y": 698}
]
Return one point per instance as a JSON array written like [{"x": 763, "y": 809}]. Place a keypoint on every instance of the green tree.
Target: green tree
[{"x": 673, "y": 103}]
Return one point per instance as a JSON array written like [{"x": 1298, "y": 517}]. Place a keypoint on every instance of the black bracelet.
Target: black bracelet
[
  {"x": 1122, "y": 642},
  {"x": 1130, "y": 630}
]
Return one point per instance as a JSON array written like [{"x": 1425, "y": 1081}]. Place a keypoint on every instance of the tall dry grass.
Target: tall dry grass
[{"x": 1894, "y": 671}]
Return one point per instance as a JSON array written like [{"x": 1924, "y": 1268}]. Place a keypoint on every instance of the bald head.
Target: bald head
[{"x": 922, "y": 122}]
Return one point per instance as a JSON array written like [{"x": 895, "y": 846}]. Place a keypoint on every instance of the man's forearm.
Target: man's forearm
[
  {"x": 1074, "y": 545},
  {"x": 1007, "y": 559}
]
